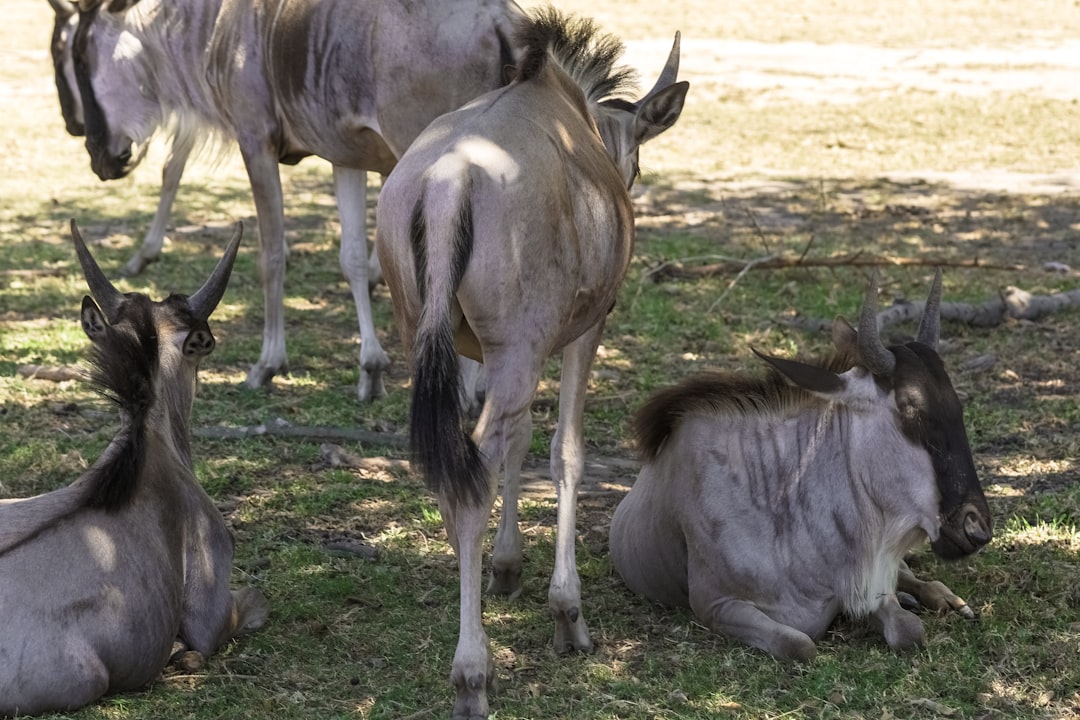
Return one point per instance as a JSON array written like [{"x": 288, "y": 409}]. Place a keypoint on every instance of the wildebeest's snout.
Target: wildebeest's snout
[
  {"x": 107, "y": 165},
  {"x": 964, "y": 531}
]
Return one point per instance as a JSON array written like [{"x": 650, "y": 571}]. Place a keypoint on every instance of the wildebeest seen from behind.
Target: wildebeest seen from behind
[
  {"x": 99, "y": 578},
  {"x": 351, "y": 81},
  {"x": 504, "y": 233},
  {"x": 769, "y": 506}
]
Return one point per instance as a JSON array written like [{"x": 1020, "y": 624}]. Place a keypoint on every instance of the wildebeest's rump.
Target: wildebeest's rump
[
  {"x": 99, "y": 578},
  {"x": 769, "y": 506}
]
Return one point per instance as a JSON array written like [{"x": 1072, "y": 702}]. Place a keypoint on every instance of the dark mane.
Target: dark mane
[
  {"x": 587, "y": 55},
  {"x": 720, "y": 393},
  {"x": 123, "y": 365}
]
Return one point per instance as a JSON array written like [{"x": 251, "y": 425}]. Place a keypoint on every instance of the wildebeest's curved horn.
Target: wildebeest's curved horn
[
  {"x": 930, "y": 324},
  {"x": 107, "y": 296},
  {"x": 875, "y": 356},
  {"x": 63, "y": 8},
  {"x": 206, "y": 298},
  {"x": 670, "y": 73}
]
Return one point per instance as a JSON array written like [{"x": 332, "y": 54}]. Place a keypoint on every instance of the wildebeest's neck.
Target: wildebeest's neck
[
  {"x": 175, "y": 36},
  {"x": 722, "y": 394},
  {"x": 137, "y": 365}
]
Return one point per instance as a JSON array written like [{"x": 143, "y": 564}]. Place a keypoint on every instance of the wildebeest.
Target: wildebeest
[
  {"x": 504, "y": 233},
  {"x": 98, "y": 578},
  {"x": 769, "y": 506},
  {"x": 350, "y": 81}
]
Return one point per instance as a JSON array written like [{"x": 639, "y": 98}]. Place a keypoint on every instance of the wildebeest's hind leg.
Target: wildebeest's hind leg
[
  {"x": 512, "y": 380},
  {"x": 350, "y": 187},
  {"x": 38, "y": 688},
  {"x": 567, "y": 470},
  {"x": 506, "y": 556},
  {"x": 931, "y": 594},
  {"x": 745, "y": 622},
  {"x": 472, "y": 674}
]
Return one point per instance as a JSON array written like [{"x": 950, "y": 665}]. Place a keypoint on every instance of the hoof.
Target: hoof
[
  {"x": 370, "y": 390},
  {"x": 472, "y": 693},
  {"x": 505, "y": 582},
  {"x": 571, "y": 632},
  {"x": 260, "y": 376},
  {"x": 135, "y": 266},
  {"x": 252, "y": 610}
]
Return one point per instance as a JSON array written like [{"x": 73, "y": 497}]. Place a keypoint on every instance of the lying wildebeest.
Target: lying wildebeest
[
  {"x": 505, "y": 232},
  {"x": 350, "y": 81},
  {"x": 97, "y": 579},
  {"x": 772, "y": 505}
]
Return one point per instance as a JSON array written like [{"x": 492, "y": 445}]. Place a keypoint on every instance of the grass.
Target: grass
[{"x": 740, "y": 176}]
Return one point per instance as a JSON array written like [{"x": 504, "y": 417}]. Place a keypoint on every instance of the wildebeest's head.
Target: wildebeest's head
[
  {"x": 625, "y": 126},
  {"x": 112, "y": 72},
  {"x": 589, "y": 57},
  {"x": 928, "y": 410}
]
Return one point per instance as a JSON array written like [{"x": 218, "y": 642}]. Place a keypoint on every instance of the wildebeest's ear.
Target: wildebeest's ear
[
  {"x": 199, "y": 343},
  {"x": 659, "y": 111},
  {"x": 93, "y": 321},
  {"x": 809, "y": 377},
  {"x": 845, "y": 338}
]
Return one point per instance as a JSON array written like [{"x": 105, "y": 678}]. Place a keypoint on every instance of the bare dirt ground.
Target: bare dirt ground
[{"x": 843, "y": 74}]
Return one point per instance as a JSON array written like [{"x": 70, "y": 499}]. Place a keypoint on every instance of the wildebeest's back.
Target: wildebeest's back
[{"x": 356, "y": 82}]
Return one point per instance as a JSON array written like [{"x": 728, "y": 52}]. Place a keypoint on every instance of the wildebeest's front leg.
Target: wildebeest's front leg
[
  {"x": 150, "y": 249},
  {"x": 901, "y": 628},
  {"x": 262, "y": 170},
  {"x": 567, "y": 470},
  {"x": 932, "y": 594},
  {"x": 350, "y": 187}
]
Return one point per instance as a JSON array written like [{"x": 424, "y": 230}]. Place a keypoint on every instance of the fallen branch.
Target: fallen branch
[
  {"x": 36, "y": 272},
  {"x": 679, "y": 270},
  {"x": 1014, "y": 303},
  {"x": 51, "y": 372}
]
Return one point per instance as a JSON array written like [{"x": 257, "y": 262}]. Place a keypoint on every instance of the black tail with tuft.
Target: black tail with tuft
[{"x": 452, "y": 464}]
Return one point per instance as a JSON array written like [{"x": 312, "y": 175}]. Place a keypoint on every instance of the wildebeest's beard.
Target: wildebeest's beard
[{"x": 931, "y": 415}]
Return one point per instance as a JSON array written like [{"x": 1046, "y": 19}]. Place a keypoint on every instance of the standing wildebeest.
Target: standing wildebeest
[
  {"x": 97, "y": 579},
  {"x": 504, "y": 234},
  {"x": 771, "y": 507},
  {"x": 352, "y": 81}
]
